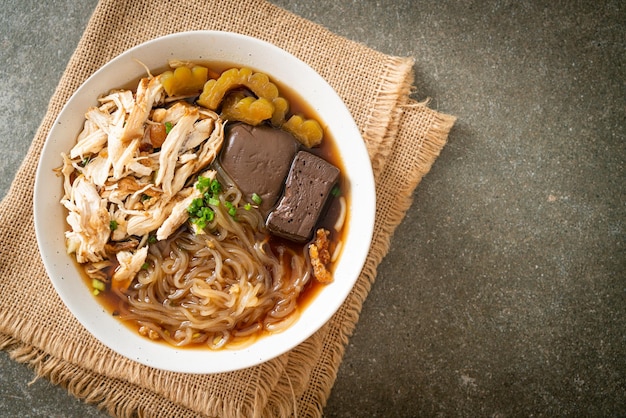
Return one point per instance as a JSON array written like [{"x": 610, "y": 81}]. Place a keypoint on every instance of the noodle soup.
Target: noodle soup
[{"x": 168, "y": 233}]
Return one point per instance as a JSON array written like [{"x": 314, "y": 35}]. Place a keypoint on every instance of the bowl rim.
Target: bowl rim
[{"x": 93, "y": 316}]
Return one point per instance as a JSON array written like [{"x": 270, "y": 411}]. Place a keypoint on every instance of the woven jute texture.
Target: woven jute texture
[{"x": 403, "y": 139}]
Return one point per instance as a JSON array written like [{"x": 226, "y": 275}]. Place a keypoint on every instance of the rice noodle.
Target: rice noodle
[
  {"x": 342, "y": 214},
  {"x": 217, "y": 289}
]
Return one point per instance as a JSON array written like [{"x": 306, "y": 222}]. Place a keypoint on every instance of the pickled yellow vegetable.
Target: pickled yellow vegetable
[
  {"x": 184, "y": 80},
  {"x": 248, "y": 109},
  {"x": 267, "y": 105},
  {"x": 215, "y": 90},
  {"x": 307, "y": 131},
  {"x": 281, "y": 107}
]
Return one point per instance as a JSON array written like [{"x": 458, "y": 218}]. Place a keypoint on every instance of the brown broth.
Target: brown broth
[{"x": 327, "y": 150}]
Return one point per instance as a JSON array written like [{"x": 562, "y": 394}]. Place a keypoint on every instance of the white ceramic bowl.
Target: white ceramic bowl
[{"x": 241, "y": 51}]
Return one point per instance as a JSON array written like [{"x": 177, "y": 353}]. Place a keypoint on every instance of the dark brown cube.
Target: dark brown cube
[{"x": 309, "y": 183}]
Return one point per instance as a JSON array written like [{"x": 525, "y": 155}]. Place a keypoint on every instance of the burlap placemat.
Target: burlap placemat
[{"x": 403, "y": 139}]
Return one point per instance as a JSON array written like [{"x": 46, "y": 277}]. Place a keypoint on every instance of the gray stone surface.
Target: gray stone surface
[{"x": 504, "y": 293}]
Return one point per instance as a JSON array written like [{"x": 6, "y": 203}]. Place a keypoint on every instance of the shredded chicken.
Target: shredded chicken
[
  {"x": 149, "y": 93},
  {"x": 130, "y": 264},
  {"x": 177, "y": 217},
  {"x": 120, "y": 186},
  {"x": 171, "y": 148},
  {"x": 89, "y": 220}
]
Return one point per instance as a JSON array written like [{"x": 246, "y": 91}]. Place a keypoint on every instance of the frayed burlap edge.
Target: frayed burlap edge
[
  {"x": 383, "y": 125},
  {"x": 116, "y": 397},
  {"x": 428, "y": 145},
  {"x": 382, "y": 122},
  {"x": 311, "y": 387},
  {"x": 96, "y": 389}
]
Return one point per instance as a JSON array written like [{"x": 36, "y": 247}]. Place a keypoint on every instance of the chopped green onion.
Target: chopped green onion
[
  {"x": 145, "y": 266},
  {"x": 336, "y": 191},
  {"x": 145, "y": 197},
  {"x": 203, "y": 216},
  {"x": 256, "y": 198},
  {"x": 195, "y": 205},
  {"x": 85, "y": 161},
  {"x": 95, "y": 292},
  {"x": 207, "y": 214},
  {"x": 98, "y": 285},
  {"x": 215, "y": 187},
  {"x": 232, "y": 210},
  {"x": 203, "y": 183},
  {"x": 200, "y": 210},
  {"x": 152, "y": 239},
  {"x": 113, "y": 225},
  {"x": 247, "y": 206},
  {"x": 168, "y": 127},
  {"x": 199, "y": 223}
]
